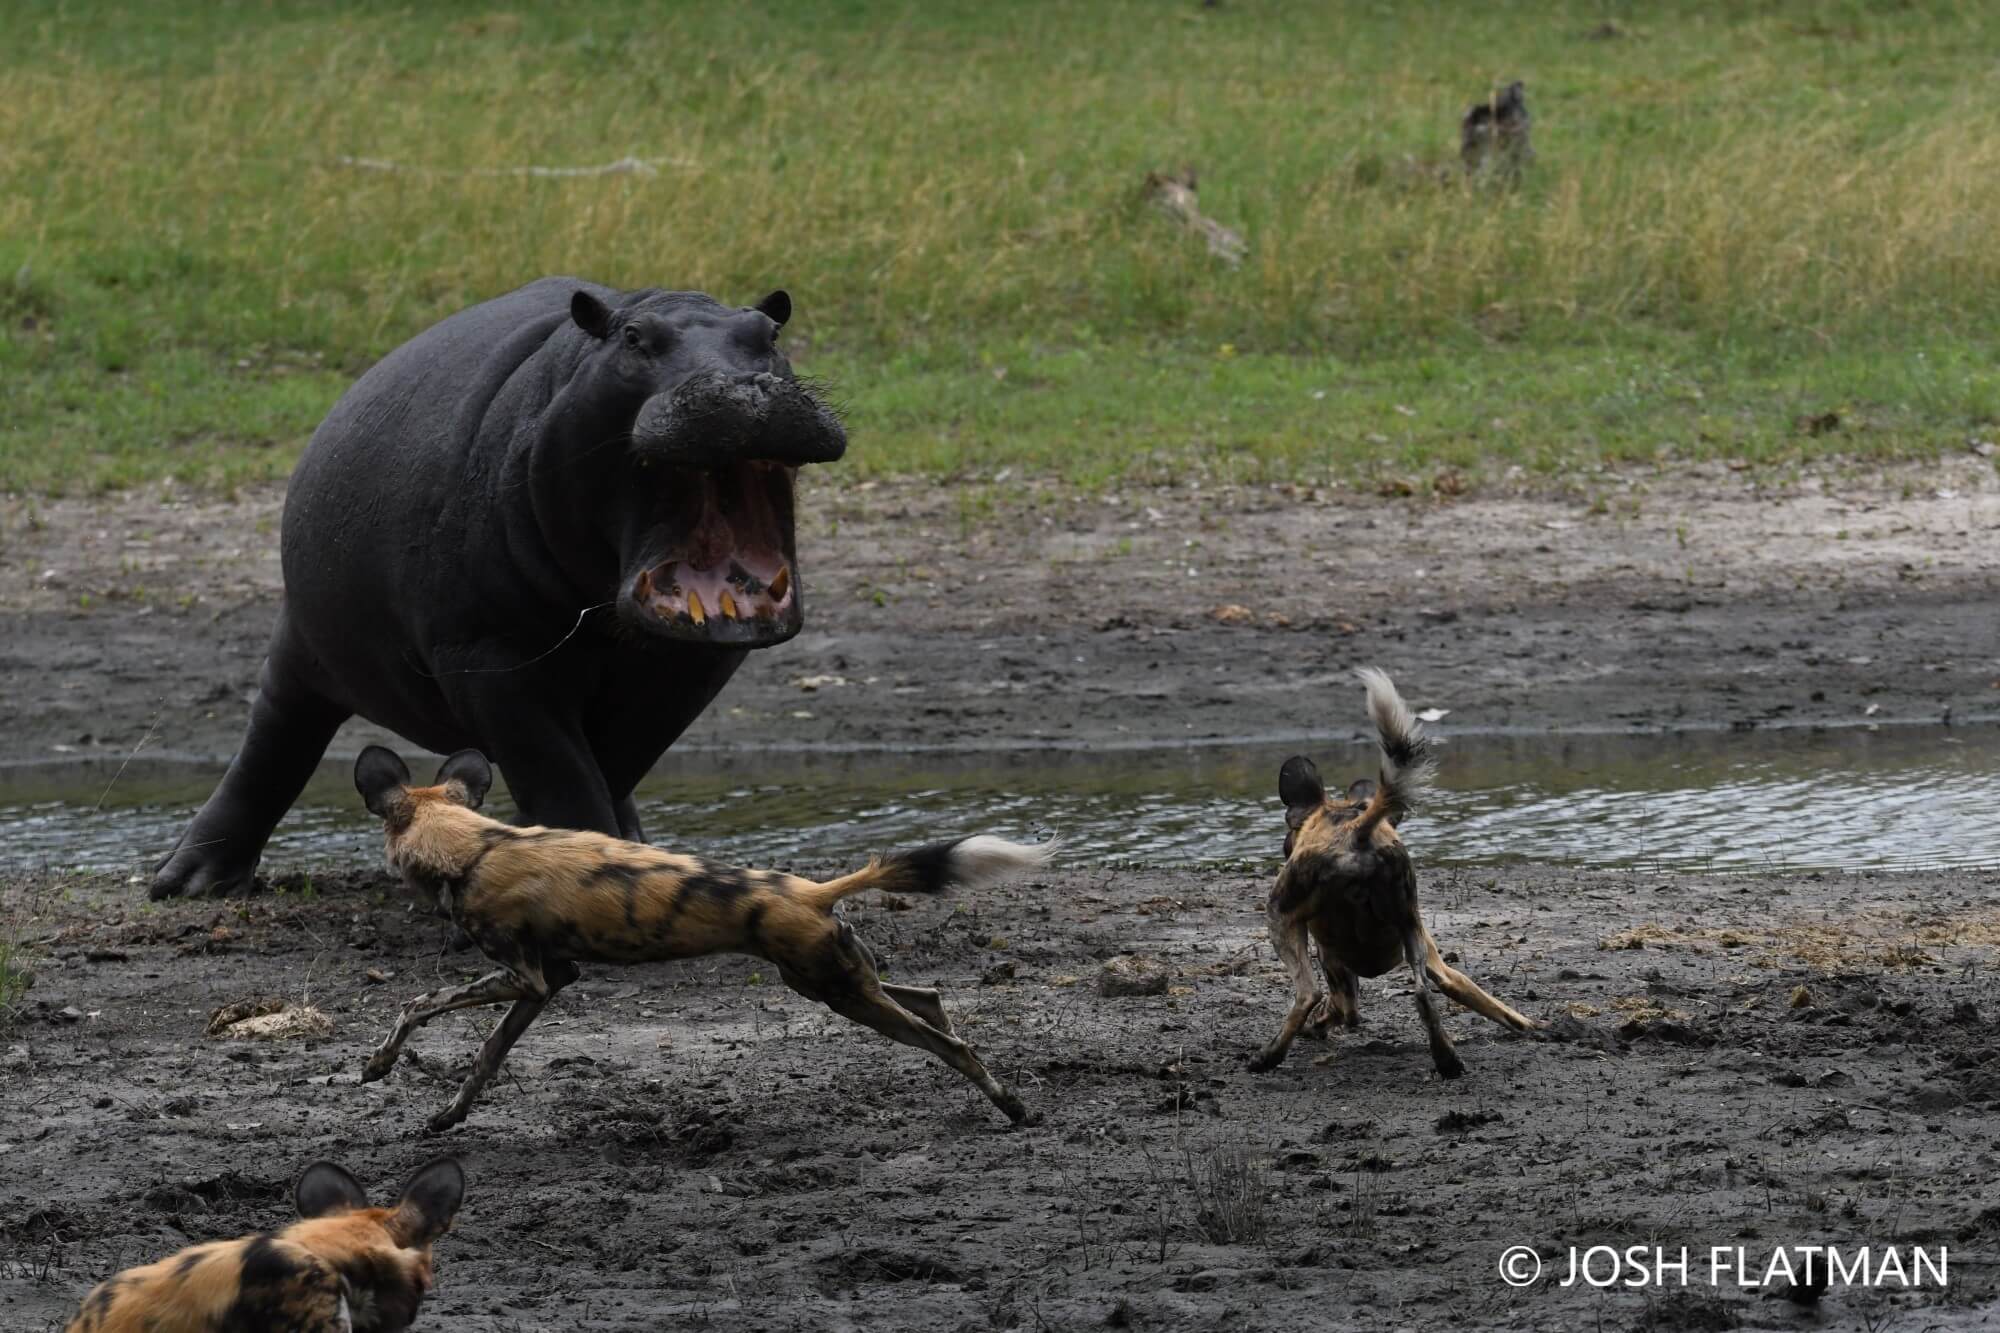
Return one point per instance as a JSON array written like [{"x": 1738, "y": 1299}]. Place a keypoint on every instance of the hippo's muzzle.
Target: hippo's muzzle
[
  {"x": 726, "y": 450},
  {"x": 713, "y": 419}
]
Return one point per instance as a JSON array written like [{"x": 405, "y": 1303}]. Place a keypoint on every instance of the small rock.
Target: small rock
[
  {"x": 69, "y": 1013},
  {"x": 1231, "y": 614},
  {"x": 1129, "y": 974},
  {"x": 376, "y": 976},
  {"x": 1801, "y": 998}
]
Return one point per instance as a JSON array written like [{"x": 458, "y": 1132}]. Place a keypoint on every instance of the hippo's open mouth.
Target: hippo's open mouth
[{"x": 731, "y": 577}]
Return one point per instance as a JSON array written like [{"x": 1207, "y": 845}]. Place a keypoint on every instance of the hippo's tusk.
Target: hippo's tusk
[
  {"x": 699, "y": 616},
  {"x": 728, "y": 604},
  {"x": 779, "y": 582}
]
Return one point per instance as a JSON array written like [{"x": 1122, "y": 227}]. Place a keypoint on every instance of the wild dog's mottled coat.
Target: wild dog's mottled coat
[
  {"x": 1349, "y": 884},
  {"x": 343, "y": 1268},
  {"x": 538, "y": 901}
]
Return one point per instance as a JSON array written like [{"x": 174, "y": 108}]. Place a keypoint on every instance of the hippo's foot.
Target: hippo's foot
[{"x": 194, "y": 871}]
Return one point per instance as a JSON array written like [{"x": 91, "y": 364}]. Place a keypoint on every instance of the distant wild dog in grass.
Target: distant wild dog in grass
[
  {"x": 538, "y": 901},
  {"x": 1348, "y": 883},
  {"x": 344, "y": 1268}
]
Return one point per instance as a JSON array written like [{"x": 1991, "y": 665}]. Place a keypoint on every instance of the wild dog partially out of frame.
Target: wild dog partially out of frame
[
  {"x": 343, "y": 1268},
  {"x": 1348, "y": 883},
  {"x": 538, "y": 901}
]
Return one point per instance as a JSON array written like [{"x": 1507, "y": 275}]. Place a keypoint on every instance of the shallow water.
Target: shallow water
[{"x": 1852, "y": 798}]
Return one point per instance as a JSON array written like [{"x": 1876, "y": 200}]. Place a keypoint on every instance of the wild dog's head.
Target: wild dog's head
[
  {"x": 383, "y": 1255},
  {"x": 1312, "y": 818},
  {"x": 432, "y": 832}
]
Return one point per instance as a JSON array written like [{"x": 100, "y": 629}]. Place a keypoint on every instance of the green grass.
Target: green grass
[{"x": 1740, "y": 215}]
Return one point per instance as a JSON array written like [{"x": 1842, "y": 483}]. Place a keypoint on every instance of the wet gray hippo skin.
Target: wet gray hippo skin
[{"x": 549, "y": 528}]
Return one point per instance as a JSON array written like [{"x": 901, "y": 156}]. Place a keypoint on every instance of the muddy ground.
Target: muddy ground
[
  {"x": 976, "y": 615},
  {"x": 693, "y": 1146},
  {"x": 1782, "y": 1059}
]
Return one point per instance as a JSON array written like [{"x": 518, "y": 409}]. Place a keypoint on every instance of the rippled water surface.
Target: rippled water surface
[{"x": 1843, "y": 798}]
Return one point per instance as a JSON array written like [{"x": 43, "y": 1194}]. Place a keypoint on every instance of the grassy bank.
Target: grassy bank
[{"x": 1740, "y": 217}]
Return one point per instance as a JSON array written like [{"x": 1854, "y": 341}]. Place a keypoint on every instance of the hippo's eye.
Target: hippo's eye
[{"x": 632, "y": 337}]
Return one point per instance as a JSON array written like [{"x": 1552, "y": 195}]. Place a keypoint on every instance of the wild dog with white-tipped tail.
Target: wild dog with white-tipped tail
[
  {"x": 538, "y": 901},
  {"x": 1348, "y": 883}
]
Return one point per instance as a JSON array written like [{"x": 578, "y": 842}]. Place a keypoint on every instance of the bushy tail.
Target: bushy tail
[
  {"x": 1408, "y": 755},
  {"x": 968, "y": 862}
]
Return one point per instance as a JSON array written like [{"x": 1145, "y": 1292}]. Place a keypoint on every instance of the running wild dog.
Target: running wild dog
[
  {"x": 1347, "y": 881},
  {"x": 344, "y": 1268},
  {"x": 538, "y": 901}
]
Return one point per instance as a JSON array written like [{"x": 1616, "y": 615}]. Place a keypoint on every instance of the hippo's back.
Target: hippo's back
[{"x": 395, "y": 490}]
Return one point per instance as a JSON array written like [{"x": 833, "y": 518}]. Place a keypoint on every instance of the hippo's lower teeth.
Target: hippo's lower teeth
[
  {"x": 728, "y": 605},
  {"x": 695, "y": 612},
  {"x": 779, "y": 582}
]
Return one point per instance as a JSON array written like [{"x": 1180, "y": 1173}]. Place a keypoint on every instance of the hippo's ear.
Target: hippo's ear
[
  {"x": 379, "y": 775},
  {"x": 470, "y": 774},
  {"x": 591, "y": 315},
  {"x": 778, "y": 305},
  {"x": 325, "y": 1188}
]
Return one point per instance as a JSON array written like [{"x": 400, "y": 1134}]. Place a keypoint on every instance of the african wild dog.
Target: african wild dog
[
  {"x": 344, "y": 1268},
  {"x": 538, "y": 901},
  {"x": 1347, "y": 881}
]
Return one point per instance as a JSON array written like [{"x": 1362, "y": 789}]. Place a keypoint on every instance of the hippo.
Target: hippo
[{"x": 549, "y": 528}]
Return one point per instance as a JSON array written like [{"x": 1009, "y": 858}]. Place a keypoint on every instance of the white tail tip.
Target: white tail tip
[{"x": 985, "y": 859}]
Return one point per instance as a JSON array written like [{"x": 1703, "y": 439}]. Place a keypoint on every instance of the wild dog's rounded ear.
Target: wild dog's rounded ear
[
  {"x": 1299, "y": 784},
  {"x": 1361, "y": 790},
  {"x": 778, "y": 305},
  {"x": 378, "y": 775},
  {"x": 591, "y": 315},
  {"x": 325, "y": 1188},
  {"x": 429, "y": 1204},
  {"x": 470, "y": 771}
]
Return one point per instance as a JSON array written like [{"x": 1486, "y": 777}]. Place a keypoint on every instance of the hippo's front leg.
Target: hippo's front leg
[
  {"x": 541, "y": 751},
  {"x": 290, "y": 727}
]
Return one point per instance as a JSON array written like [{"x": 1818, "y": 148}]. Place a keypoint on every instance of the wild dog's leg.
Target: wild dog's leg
[
  {"x": 494, "y": 988},
  {"x": 922, "y": 1001},
  {"x": 838, "y": 971},
  {"x": 1323, "y": 1016},
  {"x": 1289, "y": 938},
  {"x": 1442, "y": 1055},
  {"x": 870, "y": 1008},
  {"x": 1343, "y": 995},
  {"x": 554, "y": 976},
  {"x": 1467, "y": 992}
]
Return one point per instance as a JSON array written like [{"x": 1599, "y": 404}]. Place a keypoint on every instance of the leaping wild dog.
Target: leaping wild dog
[
  {"x": 344, "y": 1268},
  {"x": 538, "y": 901},
  {"x": 1348, "y": 882}
]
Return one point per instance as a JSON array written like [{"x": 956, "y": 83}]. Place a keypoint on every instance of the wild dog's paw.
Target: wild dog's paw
[
  {"x": 1449, "y": 1065},
  {"x": 1265, "y": 1061},
  {"x": 378, "y": 1066},
  {"x": 445, "y": 1119}
]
